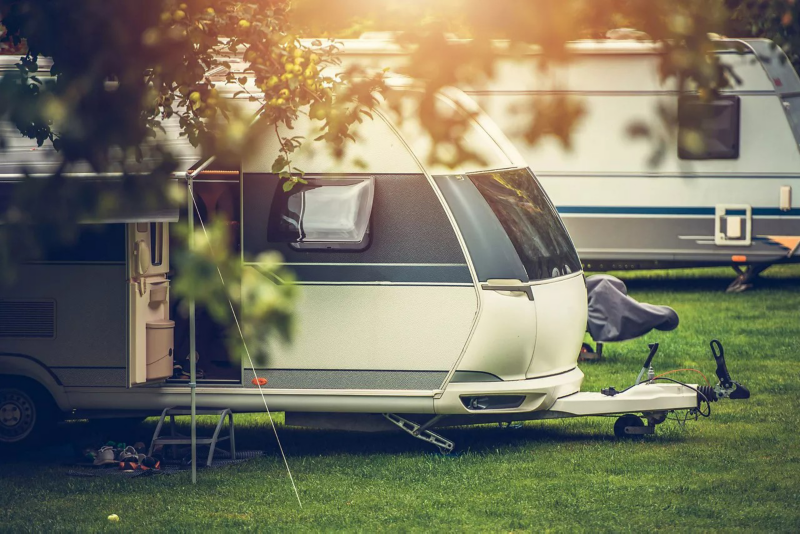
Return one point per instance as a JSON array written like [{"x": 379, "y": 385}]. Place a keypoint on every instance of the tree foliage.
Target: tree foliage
[
  {"x": 777, "y": 20},
  {"x": 99, "y": 78}
]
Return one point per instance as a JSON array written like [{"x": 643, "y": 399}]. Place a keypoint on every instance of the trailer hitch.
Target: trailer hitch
[{"x": 726, "y": 388}]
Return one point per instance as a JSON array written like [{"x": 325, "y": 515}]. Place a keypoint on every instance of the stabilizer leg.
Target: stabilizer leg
[
  {"x": 746, "y": 278},
  {"x": 420, "y": 432}
]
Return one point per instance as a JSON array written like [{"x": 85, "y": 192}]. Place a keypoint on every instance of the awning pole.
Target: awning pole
[{"x": 192, "y": 340}]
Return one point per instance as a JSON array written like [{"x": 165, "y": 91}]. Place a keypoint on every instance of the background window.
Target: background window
[
  {"x": 323, "y": 214},
  {"x": 708, "y": 130}
]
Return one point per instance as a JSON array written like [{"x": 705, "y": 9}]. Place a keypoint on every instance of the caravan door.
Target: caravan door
[
  {"x": 150, "y": 331},
  {"x": 386, "y": 299}
]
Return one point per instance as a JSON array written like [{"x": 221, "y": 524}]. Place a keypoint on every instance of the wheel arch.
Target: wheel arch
[{"x": 33, "y": 370}]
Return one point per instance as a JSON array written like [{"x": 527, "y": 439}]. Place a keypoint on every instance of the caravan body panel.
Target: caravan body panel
[
  {"x": 403, "y": 313},
  {"x": 632, "y": 201}
]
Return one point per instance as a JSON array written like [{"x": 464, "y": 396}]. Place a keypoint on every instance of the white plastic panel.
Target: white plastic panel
[
  {"x": 474, "y": 138},
  {"x": 377, "y": 327},
  {"x": 689, "y": 191},
  {"x": 785, "y": 198},
  {"x": 377, "y": 150},
  {"x": 561, "y": 323},
  {"x": 601, "y": 142},
  {"x": 504, "y": 337},
  {"x": 642, "y": 398}
]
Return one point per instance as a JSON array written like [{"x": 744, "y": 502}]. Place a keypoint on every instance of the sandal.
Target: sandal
[
  {"x": 149, "y": 463},
  {"x": 105, "y": 456}
]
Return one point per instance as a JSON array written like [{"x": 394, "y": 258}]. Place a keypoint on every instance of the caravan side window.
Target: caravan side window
[
  {"x": 708, "y": 130},
  {"x": 323, "y": 214}
]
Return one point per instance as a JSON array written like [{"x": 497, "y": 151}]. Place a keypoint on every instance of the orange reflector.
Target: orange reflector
[
  {"x": 739, "y": 259},
  {"x": 260, "y": 381}
]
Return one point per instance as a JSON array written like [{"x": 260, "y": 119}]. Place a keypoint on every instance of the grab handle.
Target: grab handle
[{"x": 528, "y": 290}]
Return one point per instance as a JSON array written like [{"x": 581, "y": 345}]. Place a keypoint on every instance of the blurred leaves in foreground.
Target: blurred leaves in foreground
[
  {"x": 100, "y": 80},
  {"x": 261, "y": 298}
]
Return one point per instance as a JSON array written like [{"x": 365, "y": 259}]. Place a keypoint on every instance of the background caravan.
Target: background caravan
[
  {"x": 731, "y": 204},
  {"x": 428, "y": 289}
]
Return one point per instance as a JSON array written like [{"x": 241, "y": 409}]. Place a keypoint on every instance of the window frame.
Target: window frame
[
  {"x": 559, "y": 235},
  {"x": 278, "y": 206},
  {"x": 684, "y": 153}
]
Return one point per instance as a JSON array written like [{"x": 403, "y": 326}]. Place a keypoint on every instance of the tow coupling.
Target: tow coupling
[{"x": 630, "y": 425}]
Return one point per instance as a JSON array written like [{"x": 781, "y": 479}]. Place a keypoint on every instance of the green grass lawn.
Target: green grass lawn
[{"x": 738, "y": 470}]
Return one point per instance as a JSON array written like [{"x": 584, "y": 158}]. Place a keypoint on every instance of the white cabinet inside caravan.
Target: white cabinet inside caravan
[{"x": 151, "y": 332}]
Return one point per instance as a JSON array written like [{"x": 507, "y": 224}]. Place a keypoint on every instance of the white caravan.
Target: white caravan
[
  {"x": 429, "y": 291},
  {"x": 730, "y": 203}
]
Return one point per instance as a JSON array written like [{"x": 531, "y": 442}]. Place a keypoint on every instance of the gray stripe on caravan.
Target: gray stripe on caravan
[
  {"x": 655, "y": 92},
  {"x": 375, "y": 272},
  {"x": 346, "y": 379},
  {"x": 644, "y": 175},
  {"x": 92, "y": 376},
  {"x": 603, "y": 238},
  {"x": 492, "y": 252}
]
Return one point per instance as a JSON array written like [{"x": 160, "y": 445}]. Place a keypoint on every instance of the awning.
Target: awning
[
  {"x": 23, "y": 156},
  {"x": 115, "y": 198}
]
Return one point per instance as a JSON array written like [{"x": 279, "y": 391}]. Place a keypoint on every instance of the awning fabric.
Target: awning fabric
[{"x": 120, "y": 206}]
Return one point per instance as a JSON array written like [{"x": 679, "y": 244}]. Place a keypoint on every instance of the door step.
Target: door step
[{"x": 174, "y": 438}]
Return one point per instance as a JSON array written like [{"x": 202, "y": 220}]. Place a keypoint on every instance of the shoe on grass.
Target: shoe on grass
[
  {"x": 149, "y": 463},
  {"x": 105, "y": 456},
  {"x": 129, "y": 466}
]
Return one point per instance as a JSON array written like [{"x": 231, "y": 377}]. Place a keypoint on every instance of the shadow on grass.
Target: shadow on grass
[
  {"x": 69, "y": 441},
  {"x": 692, "y": 284}
]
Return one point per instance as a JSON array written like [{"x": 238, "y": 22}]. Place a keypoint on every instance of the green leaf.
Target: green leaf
[
  {"x": 279, "y": 164},
  {"x": 288, "y": 185}
]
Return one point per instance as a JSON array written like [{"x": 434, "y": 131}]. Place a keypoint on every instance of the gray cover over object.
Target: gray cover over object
[{"x": 614, "y": 316}]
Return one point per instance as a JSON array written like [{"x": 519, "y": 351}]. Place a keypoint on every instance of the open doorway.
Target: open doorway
[{"x": 217, "y": 194}]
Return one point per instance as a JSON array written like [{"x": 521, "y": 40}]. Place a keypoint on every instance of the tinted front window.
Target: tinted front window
[{"x": 531, "y": 222}]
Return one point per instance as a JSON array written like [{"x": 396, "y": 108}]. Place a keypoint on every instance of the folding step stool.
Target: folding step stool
[{"x": 176, "y": 439}]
